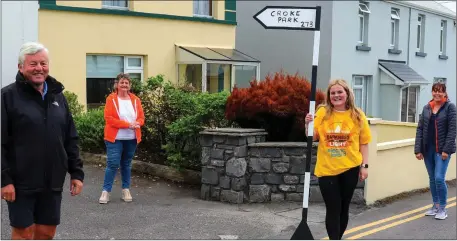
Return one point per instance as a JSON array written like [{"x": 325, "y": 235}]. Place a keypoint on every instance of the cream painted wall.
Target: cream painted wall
[
  {"x": 153, "y": 38},
  {"x": 394, "y": 171},
  {"x": 390, "y": 131},
  {"x": 179, "y": 8}
]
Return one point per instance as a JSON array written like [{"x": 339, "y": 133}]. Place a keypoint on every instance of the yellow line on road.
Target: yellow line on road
[
  {"x": 375, "y": 230},
  {"x": 358, "y": 228}
]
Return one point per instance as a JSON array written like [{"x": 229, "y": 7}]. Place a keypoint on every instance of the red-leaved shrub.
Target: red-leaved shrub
[{"x": 278, "y": 104}]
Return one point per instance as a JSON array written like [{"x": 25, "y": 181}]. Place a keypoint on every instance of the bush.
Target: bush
[
  {"x": 75, "y": 107},
  {"x": 278, "y": 104},
  {"x": 90, "y": 126},
  {"x": 174, "y": 116}
]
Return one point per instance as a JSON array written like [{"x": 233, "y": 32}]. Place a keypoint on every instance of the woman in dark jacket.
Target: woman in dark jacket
[{"x": 435, "y": 143}]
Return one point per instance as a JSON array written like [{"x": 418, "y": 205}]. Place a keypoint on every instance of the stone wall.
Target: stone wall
[{"x": 238, "y": 166}]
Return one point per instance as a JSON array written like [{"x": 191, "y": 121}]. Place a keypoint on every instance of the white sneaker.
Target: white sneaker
[
  {"x": 104, "y": 198},
  {"x": 441, "y": 214},
  {"x": 126, "y": 196}
]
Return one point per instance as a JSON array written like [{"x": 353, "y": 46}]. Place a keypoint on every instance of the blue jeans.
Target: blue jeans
[
  {"x": 436, "y": 168},
  {"x": 119, "y": 154}
]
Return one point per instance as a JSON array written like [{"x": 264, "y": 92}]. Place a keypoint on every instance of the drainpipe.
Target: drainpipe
[{"x": 409, "y": 37}]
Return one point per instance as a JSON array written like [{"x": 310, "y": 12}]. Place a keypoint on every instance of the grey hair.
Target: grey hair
[{"x": 30, "y": 48}]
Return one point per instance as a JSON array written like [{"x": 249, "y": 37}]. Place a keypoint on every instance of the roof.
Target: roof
[
  {"x": 403, "y": 72},
  {"x": 429, "y": 6},
  {"x": 219, "y": 54},
  {"x": 448, "y": 4}
]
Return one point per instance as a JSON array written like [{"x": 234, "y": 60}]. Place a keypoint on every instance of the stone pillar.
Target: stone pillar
[{"x": 224, "y": 162}]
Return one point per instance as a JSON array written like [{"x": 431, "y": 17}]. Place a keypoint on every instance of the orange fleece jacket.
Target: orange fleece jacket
[{"x": 112, "y": 121}]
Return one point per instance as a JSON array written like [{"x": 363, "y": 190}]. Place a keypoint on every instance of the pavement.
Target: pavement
[{"x": 166, "y": 210}]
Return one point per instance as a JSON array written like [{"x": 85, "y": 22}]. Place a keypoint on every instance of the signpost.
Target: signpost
[{"x": 309, "y": 19}]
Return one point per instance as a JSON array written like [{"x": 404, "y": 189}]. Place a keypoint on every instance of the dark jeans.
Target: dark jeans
[
  {"x": 119, "y": 154},
  {"x": 337, "y": 192},
  {"x": 436, "y": 169}
]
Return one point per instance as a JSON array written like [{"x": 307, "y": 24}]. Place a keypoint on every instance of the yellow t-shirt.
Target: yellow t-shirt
[{"x": 339, "y": 140}]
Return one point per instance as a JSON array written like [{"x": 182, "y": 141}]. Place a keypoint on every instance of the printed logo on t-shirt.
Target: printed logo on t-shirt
[{"x": 338, "y": 139}]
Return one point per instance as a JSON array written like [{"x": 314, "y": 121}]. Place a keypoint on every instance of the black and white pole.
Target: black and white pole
[{"x": 303, "y": 232}]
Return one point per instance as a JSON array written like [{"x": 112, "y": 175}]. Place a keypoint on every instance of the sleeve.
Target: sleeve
[
  {"x": 112, "y": 120},
  {"x": 75, "y": 164},
  {"x": 449, "y": 146},
  {"x": 365, "y": 131},
  {"x": 6, "y": 175},
  {"x": 140, "y": 117},
  {"x": 419, "y": 134}
]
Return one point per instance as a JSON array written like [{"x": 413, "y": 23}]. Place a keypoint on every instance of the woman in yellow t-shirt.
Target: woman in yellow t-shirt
[{"x": 342, "y": 156}]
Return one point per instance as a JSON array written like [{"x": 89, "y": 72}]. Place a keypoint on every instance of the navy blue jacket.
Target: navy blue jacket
[
  {"x": 445, "y": 134},
  {"x": 39, "y": 138}
]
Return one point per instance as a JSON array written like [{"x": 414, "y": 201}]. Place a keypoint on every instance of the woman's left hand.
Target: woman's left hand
[{"x": 363, "y": 174}]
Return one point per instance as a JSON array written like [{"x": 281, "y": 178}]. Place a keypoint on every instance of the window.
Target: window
[
  {"x": 439, "y": 80},
  {"x": 116, "y": 4},
  {"x": 394, "y": 25},
  {"x": 409, "y": 101},
  {"x": 360, "y": 89},
  {"x": 420, "y": 33},
  {"x": 203, "y": 8},
  {"x": 364, "y": 11},
  {"x": 443, "y": 37},
  {"x": 101, "y": 70}
]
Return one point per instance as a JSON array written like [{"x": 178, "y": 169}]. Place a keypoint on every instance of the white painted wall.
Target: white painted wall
[{"x": 19, "y": 25}]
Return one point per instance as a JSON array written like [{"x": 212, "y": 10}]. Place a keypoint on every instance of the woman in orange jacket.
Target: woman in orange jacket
[{"x": 123, "y": 118}]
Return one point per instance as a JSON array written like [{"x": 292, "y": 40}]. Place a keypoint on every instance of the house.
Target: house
[
  {"x": 390, "y": 52},
  {"x": 90, "y": 42},
  {"x": 19, "y": 25}
]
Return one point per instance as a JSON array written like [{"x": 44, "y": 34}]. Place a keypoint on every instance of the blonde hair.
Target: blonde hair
[
  {"x": 119, "y": 77},
  {"x": 356, "y": 113}
]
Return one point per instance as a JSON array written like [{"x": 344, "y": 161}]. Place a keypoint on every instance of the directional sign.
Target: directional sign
[{"x": 293, "y": 18}]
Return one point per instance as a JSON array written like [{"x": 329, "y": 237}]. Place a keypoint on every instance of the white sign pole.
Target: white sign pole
[{"x": 299, "y": 18}]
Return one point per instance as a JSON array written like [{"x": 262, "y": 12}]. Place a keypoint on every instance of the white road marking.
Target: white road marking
[{"x": 228, "y": 237}]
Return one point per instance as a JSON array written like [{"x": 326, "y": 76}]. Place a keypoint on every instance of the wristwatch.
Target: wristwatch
[{"x": 364, "y": 165}]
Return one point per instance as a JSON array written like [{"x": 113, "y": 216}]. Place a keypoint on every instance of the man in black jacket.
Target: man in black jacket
[{"x": 39, "y": 146}]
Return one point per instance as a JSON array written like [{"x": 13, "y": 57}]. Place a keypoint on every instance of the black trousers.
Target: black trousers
[{"x": 337, "y": 192}]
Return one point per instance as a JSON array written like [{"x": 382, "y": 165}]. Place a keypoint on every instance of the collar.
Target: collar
[{"x": 51, "y": 85}]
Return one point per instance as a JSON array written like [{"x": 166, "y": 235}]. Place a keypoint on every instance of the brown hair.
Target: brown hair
[
  {"x": 350, "y": 101},
  {"x": 119, "y": 77},
  {"x": 439, "y": 87}
]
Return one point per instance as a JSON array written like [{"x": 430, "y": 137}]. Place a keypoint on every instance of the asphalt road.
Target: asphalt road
[{"x": 164, "y": 210}]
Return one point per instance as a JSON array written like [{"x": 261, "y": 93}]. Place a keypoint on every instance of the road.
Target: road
[{"x": 164, "y": 210}]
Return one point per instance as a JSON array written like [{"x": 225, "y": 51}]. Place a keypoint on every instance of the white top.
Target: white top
[{"x": 126, "y": 113}]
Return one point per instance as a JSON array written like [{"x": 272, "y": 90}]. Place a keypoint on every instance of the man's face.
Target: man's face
[{"x": 35, "y": 67}]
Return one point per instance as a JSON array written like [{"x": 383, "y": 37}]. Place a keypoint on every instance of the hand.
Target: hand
[
  {"x": 76, "y": 187},
  {"x": 308, "y": 118},
  {"x": 9, "y": 193},
  {"x": 444, "y": 155},
  {"x": 419, "y": 156},
  {"x": 363, "y": 174}
]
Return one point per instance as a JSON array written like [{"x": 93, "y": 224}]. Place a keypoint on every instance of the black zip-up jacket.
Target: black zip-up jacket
[
  {"x": 39, "y": 138},
  {"x": 445, "y": 129}
]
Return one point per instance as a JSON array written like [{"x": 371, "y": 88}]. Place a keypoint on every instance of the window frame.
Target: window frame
[
  {"x": 364, "y": 88},
  {"x": 395, "y": 25},
  {"x": 364, "y": 12},
  {"x": 126, "y": 69},
  {"x": 116, "y": 7},
  {"x": 420, "y": 33},
  {"x": 416, "y": 116},
  {"x": 210, "y": 9},
  {"x": 443, "y": 36}
]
